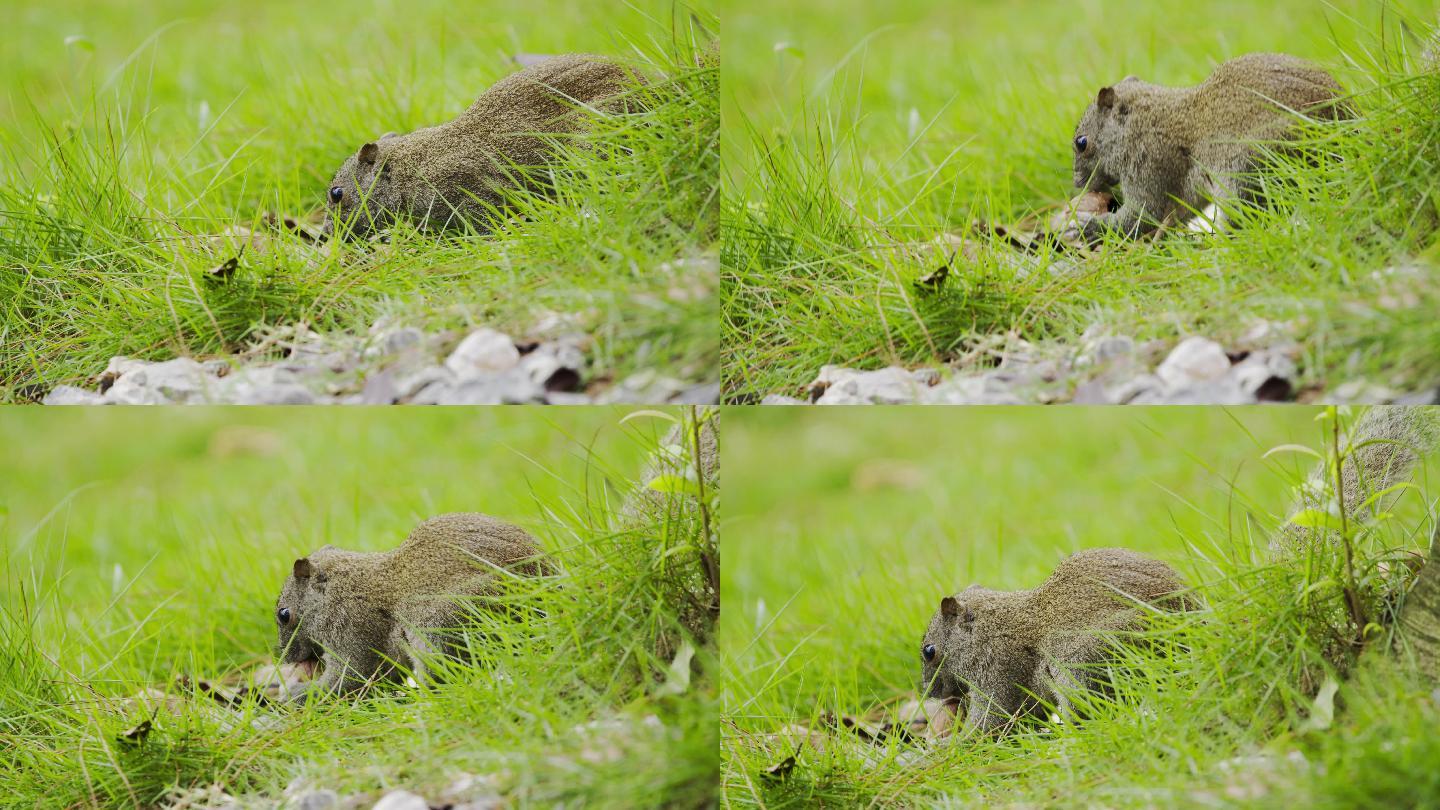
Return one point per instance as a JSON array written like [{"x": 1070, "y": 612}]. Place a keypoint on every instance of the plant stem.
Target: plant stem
[
  {"x": 1352, "y": 594},
  {"x": 707, "y": 546}
]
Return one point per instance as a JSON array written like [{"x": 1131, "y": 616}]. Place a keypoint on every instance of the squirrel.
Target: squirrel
[
  {"x": 362, "y": 613},
  {"x": 1386, "y": 444},
  {"x": 1009, "y": 654},
  {"x": 457, "y": 172},
  {"x": 1172, "y": 150}
]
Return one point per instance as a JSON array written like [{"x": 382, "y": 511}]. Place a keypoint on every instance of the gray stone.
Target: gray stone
[
  {"x": 887, "y": 386},
  {"x": 977, "y": 389},
  {"x": 179, "y": 381},
  {"x": 485, "y": 350},
  {"x": 1431, "y": 397},
  {"x": 1361, "y": 392},
  {"x": 217, "y": 367},
  {"x": 394, "y": 341},
  {"x": 780, "y": 399},
  {"x": 1224, "y": 391},
  {"x": 1092, "y": 392},
  {"x": 1136, "y": 389},
  {"x": 1194, "y": 360},
  {"x": 121, "y": 365},
  {"x": 1266, "y": 376},
  {"x": 71, "y": 395},
  {"x": 264, "y": 385},
  {"x": 708, "y": 394},
  {"x": 514, "y": 388},
  {"x": 323, "y": 799},
  {"x": 380, "y": 388},
  {"x": 401, "y": 800},
  {"x": 555, "y": 367},
  {"x": 402, "y": 379},
  {"x": 1104, "y": 350},
  {"x": 643, "y": 387}
]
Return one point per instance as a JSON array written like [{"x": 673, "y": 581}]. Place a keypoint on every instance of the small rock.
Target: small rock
[
  {"x": 1361, "y": 392},
  {"x": 71, "y": 395},
  {"x": 395, "y": 341},
  {"x": 380, "y": 389},
  {"x": 264, "y": 385},
  {"x": 323, "y": 799},
  {"x": 483, "y": 351},
  {"x": 780, "y": 399},
  {"x": 118, "y": 367},
  {"x": 555, "y": 367},
  {"x": 1266, "y": 376},
  {"x": 708, "y": 394},
  {"x": 217, "y": 367},
  {"x": 1420, "y": 398},
  {"x": 1105, "y": 350},
  {"x": 887, "y": 386},
  {"x": 401, "y": 800},
  {"x": 645, "y": 387},
  {"x": 514, "y": 388},
  {"x": 1135, "y": 389},
  {"x": 1196, "y": 359},
  {"x": 979, "y": 389},
  {"x": 1223, "y": 391},
  {"x": 179, "y": 381},
  {"x": 1092, "y": 392},
  {"x": 469, "y": 792}
]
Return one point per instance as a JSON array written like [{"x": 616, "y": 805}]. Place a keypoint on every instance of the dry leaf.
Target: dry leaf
[
  {"x": 135, "y": 736},
  {"x": 780, "y": 770},
  {"x": 935, "y": 279},
  {"x": 223, "y": 272},
  {"x": 307, "y": 228}
]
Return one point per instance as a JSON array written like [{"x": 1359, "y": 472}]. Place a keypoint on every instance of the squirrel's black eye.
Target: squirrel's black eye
[
  {"x": 283, "y": 614},
  {"x": 928, "y": 652},
  {"x": 1081, "y": 142},
  {"x": 336, "y": 193}
]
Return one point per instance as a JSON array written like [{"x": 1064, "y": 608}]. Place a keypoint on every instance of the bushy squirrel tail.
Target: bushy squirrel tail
[{"x": 1385, "y": 445}]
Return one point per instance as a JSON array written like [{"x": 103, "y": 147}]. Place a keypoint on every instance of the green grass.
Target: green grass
[
  {"x": 851, "y": 135},
  {"x": 138, "y": 134},
  {"x": 834, "y": 566},
  {"x": 142, "y": 546}
]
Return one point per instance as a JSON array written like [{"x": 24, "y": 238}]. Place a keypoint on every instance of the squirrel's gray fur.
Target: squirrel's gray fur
[
  {"x": 1386, "y": 443},
  {"x": 1009, "y": 654},
  {"x": 361, "y": 613},
  {"x": 1172, "y": 150},
  {"x": 442, "y": 175}
]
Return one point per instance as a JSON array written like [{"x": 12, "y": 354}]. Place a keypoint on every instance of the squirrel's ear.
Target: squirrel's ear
[
  {"x": 369, "y": 153},
  {"x": 303, "y": 568},
  {"x": 1105, "y": 100},
  {"x": 949, "y": 607}
]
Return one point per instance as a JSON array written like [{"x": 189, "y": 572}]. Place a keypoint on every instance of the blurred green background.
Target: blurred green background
[{"x": 282, "y": 84}]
